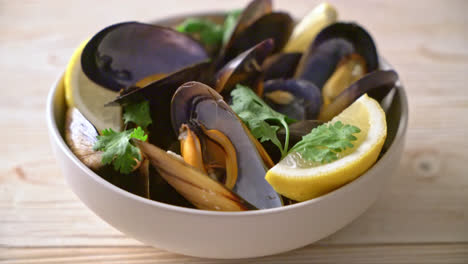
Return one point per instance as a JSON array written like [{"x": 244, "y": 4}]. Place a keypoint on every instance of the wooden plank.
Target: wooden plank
[
  {"x": 394, "y": 254},
  {"x": 426, "y": 201}
]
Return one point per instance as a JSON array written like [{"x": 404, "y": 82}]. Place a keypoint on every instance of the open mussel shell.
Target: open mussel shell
[
  {"x": 253, "y": 11},
  {"x": 195, "y": 101},
  {"x": 376, "y": 84},
  {"x": 276, "y": 25},
  {"x": 195, "y": 186},
  {"x": 159, "y": 95},
  {"x": 281, "y": 66},
  {"x": 244, "y": 69},
  {"x": 81, "y": 136},
  {"x": 298, "y": 99},
  {"x": 332, "y": 45},
  {"x": 121, "y": 54}
]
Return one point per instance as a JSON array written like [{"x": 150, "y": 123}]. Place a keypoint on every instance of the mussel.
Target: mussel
[
  {"x": 194, "y": 185},
  {"x": 159, "y": 94},
  {"x": 280, "y": 66},
  {"x": 341, "y": 54},
  {"x": 81, "y": 136},
  {"x": 200, "y": 107},
  {"x": 376, "y": 84},
  {"x": 120, "y": 55},
  {"x": 244, "y": 69},
  {"x": 298, "y": 99},
  {"x": 256, "y": 23}
]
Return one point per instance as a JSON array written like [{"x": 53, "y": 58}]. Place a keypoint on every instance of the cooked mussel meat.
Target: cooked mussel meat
[
  {"x": 193, "y": 184},
  {"x": 333, "y": 47},
  {"x": 376, "y": 84},
  {"x": 298, "y": 99},
  {"x": 197, "y": 103}
]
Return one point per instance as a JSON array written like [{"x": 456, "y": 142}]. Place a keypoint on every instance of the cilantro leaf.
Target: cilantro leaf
[
  {"x": 324, "y": 142},
  {"x": 209, "y": 32},
  {"x": 230, "y": 23},
  {"x": 118, "y": 149},
  {"x": 138, "y": 113},
  {"x": 259, "y": 117}
]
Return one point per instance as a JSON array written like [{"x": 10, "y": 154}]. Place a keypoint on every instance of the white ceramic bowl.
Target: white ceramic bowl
[{"x": 227, "y": 234}]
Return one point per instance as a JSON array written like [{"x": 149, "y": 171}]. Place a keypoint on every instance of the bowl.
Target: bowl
[{"x": 228, "y": 234}]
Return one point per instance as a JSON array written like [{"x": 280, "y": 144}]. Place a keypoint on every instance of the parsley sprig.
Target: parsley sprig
[
  {"x": 138, "y": 113},
  {"x": 117, "y": 147},
  {"x": 262, "y": 121},
  {"x": 210, "y": 33},
  {"x": 324, "y": 142},
  {"x": 321, "y": 145}
]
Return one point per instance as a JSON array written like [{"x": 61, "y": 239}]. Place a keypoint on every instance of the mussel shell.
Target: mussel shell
[
  {"x": 281, "y": 66},
  {"x": 331, "y": 45},
  {"x": 276, "y": 25},
  {"x": 121, "y": 54},
  {"x": 159, "y": 95},
  {"x": 198, "y": 102},
  {"x": 196, "y": 187},
  {"x": 244, "y": 69},
  {"x": 249, "y": 15},
  {"x": 307, "y": 98},
  {"x": 376, "y": 84},
  {"x": 81, "y": 136}
]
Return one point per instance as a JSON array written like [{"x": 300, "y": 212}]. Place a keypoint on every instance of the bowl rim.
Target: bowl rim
[{"x": 59, "y": 140}]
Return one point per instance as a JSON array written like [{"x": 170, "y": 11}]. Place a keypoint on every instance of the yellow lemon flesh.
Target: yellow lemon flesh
[
  {"x": 308, "y": 28},
  {"x": 88, "y": 97},
  {"x": 301, "y": 180}
]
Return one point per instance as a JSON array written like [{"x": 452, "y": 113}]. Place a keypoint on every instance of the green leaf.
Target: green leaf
[
  {"x": 138, "y": 113},
  {"x": 262, "y": 121},
  {"x": 230, "y": 23},
  {"x": 118, "y": 150},
  {"x": 207, "y": 31},
  {"x": 324, "y": 142}
]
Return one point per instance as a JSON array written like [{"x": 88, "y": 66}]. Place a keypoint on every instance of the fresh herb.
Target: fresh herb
[
  {"x": 209, "y": 32},
  {"x": 259, "y": 117},
  {"x": 118, "y": 148},
  {"x": 230, "y": 23},
  {"x": 324, "y": 142},
  {"x": 138, "y": 113}
]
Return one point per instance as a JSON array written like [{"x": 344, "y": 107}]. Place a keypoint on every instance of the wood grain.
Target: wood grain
[
  {"x": 391, "y": 254},
  {"x": 421, "y": 217}
]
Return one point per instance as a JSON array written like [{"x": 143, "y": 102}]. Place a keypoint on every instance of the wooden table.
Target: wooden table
[{"x": 422, "y": 217}]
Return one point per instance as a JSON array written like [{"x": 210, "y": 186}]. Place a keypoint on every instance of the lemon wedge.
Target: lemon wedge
[
  {"x": 300, "y": 180},
  {"x": 88, "y": 97},
  {"x": 308, "y": 28}
]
